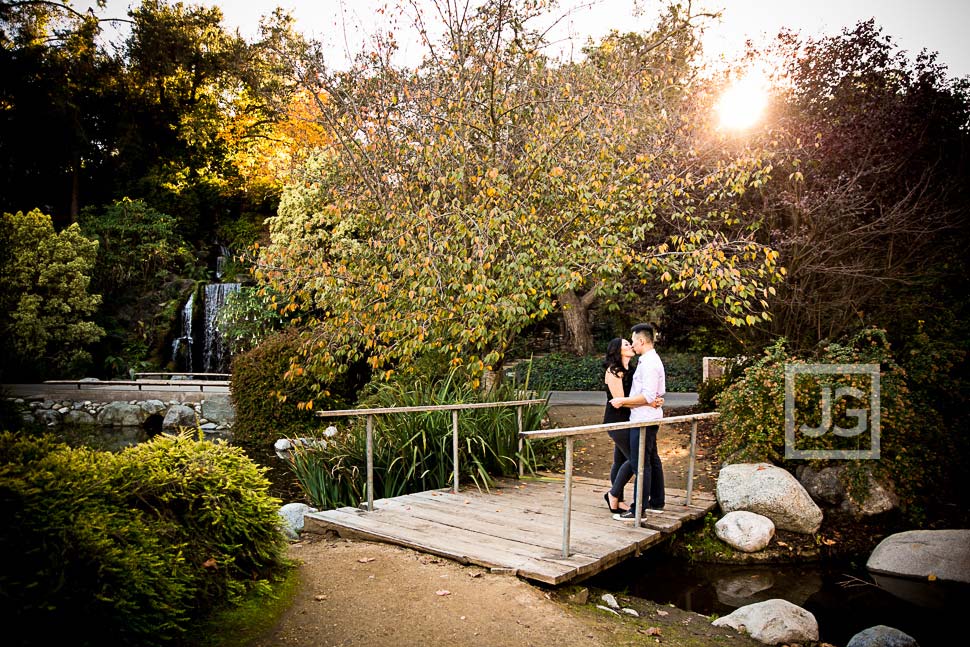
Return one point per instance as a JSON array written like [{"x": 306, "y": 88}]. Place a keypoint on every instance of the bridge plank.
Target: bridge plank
[{"x": 516, "y": 527}]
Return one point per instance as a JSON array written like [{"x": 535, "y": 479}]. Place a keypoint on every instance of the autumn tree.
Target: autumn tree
[
  {"x": 45, "y": 307},
  {"x": 480, "y": 191}
]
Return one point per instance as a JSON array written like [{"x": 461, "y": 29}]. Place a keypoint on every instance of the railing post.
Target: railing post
[
  {"x": 370, "y": 463},
  {"x": 567, "y": 497},
  {"x": 518, "y": 415},
  {"x": 690, "y": 462},
  {"x": 454, "y": 445},
  {"x": 641, "y": 450}
]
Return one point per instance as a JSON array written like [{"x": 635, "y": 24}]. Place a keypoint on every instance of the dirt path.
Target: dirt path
[{"x": 362, "y": 593}]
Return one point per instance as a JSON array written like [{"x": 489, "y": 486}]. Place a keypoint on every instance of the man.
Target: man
[{"x": 649, "y": 383}]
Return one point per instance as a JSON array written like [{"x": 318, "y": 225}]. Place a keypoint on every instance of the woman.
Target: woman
[{"x": 618, "y": 378}]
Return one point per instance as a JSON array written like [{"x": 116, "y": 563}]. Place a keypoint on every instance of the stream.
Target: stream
[{"x": 845, "y": 598}]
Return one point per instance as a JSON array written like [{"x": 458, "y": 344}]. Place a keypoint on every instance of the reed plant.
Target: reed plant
[{"x": 413, "y": 451}]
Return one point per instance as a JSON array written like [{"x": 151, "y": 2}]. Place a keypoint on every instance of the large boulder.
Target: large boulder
[
  {"x": 745, "y": 531},
  {"x": 939, "y": 554},
  {"x": 882, "y": 636},
  {"x": 179, "y": 415},
  {"x": 823, "y": 485},
  {"x": 879, "y": 498},
  {"x": 219, "y": 409},
  {"x": 772, "y": 622},
  {"x": 121, "y": 414},
  {"x": 771, "y": 492},
  {"x": 827, "y": 486},
  {"x": 152, "y": 407}
]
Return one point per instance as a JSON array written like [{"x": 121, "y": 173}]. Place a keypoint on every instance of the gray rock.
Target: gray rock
[
  {"x": 772, "y": 622},
  {"x": 823, "y": 486},
  {"x": 292, "y": 515},
  {"x": 47, "y": 417},
  {"x": 151, "y": 407},
  {"x": 745, "y": 531},
  {"x": 121, "y": 414},
  {"x": 610, "y": 600},
  {"x": 208, "y": 426},
  {"x": 882, "y": 636},
  {"x": 879, "y": 498},
  {"x": 219, "y": 409},
  {"x": 179, "y": 415},
  {"x": 771, "y": 492},
  {"x": 943, "y": 554}
]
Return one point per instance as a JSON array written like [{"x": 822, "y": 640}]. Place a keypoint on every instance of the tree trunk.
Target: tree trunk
[
  {"x": 75, "y": 186},
  {"x": 575, "y": 313}
]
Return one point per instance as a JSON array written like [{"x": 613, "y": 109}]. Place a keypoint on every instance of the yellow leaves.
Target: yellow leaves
[{"x": 557, "y": 172}]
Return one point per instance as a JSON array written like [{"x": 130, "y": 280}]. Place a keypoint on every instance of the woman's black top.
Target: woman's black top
[{"x": 612, "y": 414}]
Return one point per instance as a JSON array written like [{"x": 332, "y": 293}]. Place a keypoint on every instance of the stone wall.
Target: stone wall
[{"x": 214, "y": 415}]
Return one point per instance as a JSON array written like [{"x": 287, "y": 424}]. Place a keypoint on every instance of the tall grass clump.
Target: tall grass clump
[{"x": 413, "y": 451}]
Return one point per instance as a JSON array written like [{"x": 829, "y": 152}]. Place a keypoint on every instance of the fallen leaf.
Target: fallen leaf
[
  {"x": 319, "y": 598},
  {"x": 661, "y": 612},
  {"x": 828, "y": 542},
  {"x": 364, "y": 560},
  {"x": 931, "y": 577},
  {"x": 210, "y": 563},
  {"x": 654, "y": 631},
  {"x": 442, "y": 592}
]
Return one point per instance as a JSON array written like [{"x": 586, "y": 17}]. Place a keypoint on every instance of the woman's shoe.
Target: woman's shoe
[{"x": 606, "y": 497}]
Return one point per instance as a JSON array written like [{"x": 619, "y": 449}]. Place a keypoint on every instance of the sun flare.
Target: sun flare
[{"x": 743, "y": 103}]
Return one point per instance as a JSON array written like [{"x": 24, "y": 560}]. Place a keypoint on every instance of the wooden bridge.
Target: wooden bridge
[
  {"x": 546, "y": 528},
  {"x": 516, "y": 527}
]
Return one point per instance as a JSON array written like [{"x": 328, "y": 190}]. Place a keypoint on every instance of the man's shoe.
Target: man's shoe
[
  {"x": 656, "y": 510},
  {"x": 628, "y": 515}
]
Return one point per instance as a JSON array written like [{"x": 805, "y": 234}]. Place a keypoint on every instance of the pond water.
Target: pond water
[{"x": 845, "y": 599}]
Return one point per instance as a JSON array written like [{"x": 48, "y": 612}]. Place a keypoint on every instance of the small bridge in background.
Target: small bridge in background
[{"x": 183, "y": 387}]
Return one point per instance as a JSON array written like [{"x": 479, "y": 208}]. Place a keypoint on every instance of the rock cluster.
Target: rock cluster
[{"x": 212, "y": 416}]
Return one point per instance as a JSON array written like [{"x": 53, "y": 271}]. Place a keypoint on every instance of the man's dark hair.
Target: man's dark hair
[{"x": 645, "y": 328}]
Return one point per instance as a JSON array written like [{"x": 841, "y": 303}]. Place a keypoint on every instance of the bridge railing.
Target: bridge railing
[
  {"x": 454, "y": 408},
  {"x": 569, "y": 433},
  {"x": 139, "y": 385}
]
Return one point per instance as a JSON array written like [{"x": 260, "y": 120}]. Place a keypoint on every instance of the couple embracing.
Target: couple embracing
[{"x": 636, "y": 396}]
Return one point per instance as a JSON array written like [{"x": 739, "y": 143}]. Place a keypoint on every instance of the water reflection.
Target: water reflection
[{"x": 844, "y": 599}]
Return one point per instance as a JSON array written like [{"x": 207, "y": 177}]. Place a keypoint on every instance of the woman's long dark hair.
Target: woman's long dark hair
[{"x": 613, "y": 362}]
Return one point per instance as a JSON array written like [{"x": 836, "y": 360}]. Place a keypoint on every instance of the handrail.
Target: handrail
[
  {"x": 569, "y": 432},
  {"x": 454, "y": 408},
  {"x": 220, "y": 375},
  {"x": 83, "y": 385}
]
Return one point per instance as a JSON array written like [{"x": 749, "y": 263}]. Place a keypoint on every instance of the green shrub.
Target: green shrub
[
  {"x": 562, "y": 372},
  {"x": 708, "y": 392},
  {"x": 267, "y": 398},
  {"x": 413, "y": 452},
  {"x": 752, "y": 418},
  {"x": 129, "y": 548}
]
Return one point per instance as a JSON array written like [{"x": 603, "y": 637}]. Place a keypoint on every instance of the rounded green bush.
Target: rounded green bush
[{"x": 129, "y": 548}]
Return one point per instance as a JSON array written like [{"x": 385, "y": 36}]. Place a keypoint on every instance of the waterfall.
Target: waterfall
[
  {"x": 182, "y": 345},
  {"x": 208, "y": 355},
  {"x": 213, "y": 360}
]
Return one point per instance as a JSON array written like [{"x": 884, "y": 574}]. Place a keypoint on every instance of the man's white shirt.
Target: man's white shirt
[{"x": 650, "y": 381}]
